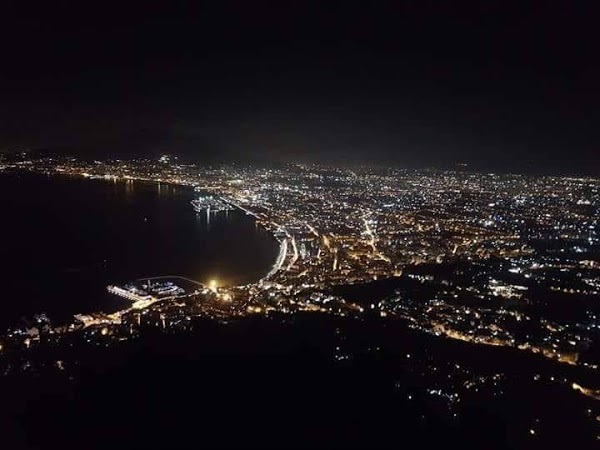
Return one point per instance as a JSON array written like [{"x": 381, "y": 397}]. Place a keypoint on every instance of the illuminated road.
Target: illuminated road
[
  {"x": 312, "y": 229},
  {"x": 371, "y": 242},
  {"x": 295, "y": 255},
  {"x": 279, "y": 261},
  {"x": 283, "y": 245}
]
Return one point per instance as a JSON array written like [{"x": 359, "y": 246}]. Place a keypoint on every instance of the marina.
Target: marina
[
  {"x": 210, "y": 204},
  {"x": 135, "y": 229}
]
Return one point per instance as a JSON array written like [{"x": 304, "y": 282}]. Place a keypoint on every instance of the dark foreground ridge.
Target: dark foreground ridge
[{"x": 269, "y": 383}]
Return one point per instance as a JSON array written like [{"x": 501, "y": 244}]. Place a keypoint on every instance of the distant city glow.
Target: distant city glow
[{"x": 475, "y": 258}]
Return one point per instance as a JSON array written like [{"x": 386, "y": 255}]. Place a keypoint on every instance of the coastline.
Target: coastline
[{"x": 96, "y": 295}]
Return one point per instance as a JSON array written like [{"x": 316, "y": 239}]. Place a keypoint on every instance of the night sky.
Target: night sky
[{"x": 421, "y": 84}]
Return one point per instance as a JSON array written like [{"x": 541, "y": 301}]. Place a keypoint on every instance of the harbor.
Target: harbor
[{"x": 210, "y": 203}]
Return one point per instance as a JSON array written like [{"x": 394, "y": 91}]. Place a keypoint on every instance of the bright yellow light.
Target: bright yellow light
[{"x": 213, "y": 285}]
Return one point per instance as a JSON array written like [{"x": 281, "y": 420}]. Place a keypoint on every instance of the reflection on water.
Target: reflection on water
[{"x": 113, "y": 231}]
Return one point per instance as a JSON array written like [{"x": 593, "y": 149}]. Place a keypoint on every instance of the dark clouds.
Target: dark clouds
[{"x": 416, "y": 84}]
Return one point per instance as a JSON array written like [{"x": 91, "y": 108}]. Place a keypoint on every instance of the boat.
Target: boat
[{"x": 211, "y": 204}]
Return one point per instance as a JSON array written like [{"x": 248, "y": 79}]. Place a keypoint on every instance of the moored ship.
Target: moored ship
[{"x": 211, "y": 204}]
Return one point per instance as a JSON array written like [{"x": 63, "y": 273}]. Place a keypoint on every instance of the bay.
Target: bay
[{"x": 64, "y": 239}]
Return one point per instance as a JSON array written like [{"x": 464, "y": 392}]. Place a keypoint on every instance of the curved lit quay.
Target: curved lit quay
[{"x": 482, "y": 248}]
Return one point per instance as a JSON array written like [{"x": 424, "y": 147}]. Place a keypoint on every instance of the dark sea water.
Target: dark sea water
[{"x": 65, "y": 239}]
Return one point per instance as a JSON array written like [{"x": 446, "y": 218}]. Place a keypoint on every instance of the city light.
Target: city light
[{"x": 472, "y": 258}]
